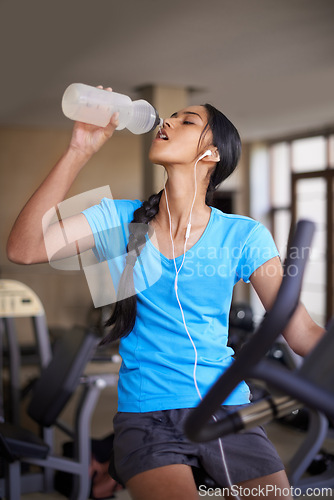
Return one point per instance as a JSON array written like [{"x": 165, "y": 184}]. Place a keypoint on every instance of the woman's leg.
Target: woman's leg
[
  {"x": 176, "y": 482},
  {"x": 170, "y": 482},
  {"x": 274, "y": 486}
]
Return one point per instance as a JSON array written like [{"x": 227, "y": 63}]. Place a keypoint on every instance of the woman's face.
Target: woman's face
[{"x": 177, "y": 142}]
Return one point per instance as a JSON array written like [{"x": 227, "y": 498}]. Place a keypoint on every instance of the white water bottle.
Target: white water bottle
[{"x": 95, "y": 106}]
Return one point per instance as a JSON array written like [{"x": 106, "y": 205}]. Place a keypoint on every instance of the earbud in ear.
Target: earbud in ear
[{"x": 208, "y": 152}]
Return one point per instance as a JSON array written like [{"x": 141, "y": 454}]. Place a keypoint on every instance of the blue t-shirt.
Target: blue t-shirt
[{"x": 157, "y": 370}]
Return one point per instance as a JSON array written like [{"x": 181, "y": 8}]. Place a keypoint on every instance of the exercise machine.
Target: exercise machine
[
  {"x": 311, "y": 384},
  {"x": 62, "y": 372}
]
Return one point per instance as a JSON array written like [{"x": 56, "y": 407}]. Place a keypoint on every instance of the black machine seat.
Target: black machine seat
[
  {"x": 16, "y": 442},
  {"x": 61, "y": 377},
  {"x": 57, "y": 382}
]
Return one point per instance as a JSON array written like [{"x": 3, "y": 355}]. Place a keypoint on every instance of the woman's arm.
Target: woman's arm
[
  {"x": 27, "y": 241},
  {"x": 302, "y": 333}
]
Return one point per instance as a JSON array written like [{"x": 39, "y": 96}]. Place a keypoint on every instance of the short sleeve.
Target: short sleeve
[
  {"x": 109, "y": 222},
  {"x": 259, "y": 247}
]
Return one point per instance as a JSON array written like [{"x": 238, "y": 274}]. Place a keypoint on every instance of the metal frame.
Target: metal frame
[{"x": 14, "y": 483}]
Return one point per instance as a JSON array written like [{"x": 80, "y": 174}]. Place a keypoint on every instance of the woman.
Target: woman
[{"x": 174, "y": 333}]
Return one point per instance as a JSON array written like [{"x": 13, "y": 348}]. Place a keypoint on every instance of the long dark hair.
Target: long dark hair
[{"x": 226, "y": 139}]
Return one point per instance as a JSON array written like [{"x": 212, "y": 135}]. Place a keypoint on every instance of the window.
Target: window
[
  {"x": 309, "y": 154},
  {"x": 301, "y": 185},
  {"x": 280, "y": 194}
]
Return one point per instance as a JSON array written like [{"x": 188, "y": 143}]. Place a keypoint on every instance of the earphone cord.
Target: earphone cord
[{"x": 177, "y": 271}]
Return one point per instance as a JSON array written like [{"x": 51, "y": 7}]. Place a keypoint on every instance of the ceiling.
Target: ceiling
[{"x": 268, "y": 64}]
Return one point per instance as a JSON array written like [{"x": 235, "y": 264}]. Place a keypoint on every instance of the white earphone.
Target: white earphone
[{"x": 208, "y": 152}]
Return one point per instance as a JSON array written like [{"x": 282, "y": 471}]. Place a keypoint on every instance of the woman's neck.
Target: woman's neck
[{"x": 179, "y": 201}]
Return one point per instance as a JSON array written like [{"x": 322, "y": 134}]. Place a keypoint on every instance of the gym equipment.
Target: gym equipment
[
  {"x": 311, "y": 384},
  {"x": 241, "y": 325},
  {"x": 59, "y": 378},
  {"x": 198, "y": 427},
  {"x": 18, "y": 301}
]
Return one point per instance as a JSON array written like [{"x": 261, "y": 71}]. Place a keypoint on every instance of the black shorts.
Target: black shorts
[{"x": 144, "y": 441}]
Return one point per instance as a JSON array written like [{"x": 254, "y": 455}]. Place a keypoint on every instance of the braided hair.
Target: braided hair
[
  {"x": 226, "y": 139},
  {"x": 123, "y": 317}
]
